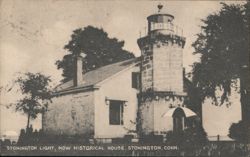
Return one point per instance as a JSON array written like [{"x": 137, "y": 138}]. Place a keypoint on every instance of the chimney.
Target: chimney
[{"x": 78, "y": 77}]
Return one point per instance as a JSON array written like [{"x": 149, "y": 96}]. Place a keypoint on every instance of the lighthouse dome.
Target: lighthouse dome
[{"x": 161, "y": 22}]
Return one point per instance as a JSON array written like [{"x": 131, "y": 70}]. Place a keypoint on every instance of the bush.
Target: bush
[
  {"x": 240, "y": 131},
  {"x": 151, "y": 138},
  {"x": 29, "y": 136},
  {"x": 190, "y": 137}
]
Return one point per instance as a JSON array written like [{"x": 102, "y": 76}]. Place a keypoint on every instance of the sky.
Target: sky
[{"x": 33, "y": 34}]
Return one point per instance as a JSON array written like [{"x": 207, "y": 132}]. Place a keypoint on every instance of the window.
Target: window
[
  {"x": 135, "y": 80},
  {"x": 116, "y": 112}
]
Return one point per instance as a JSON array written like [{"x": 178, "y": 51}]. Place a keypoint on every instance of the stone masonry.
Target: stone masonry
[{"x": 161, "y": 74}]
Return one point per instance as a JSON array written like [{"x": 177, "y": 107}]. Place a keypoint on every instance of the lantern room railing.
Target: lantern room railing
[{"x": 167, "y": 28}]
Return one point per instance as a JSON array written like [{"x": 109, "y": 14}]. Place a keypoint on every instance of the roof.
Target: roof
[
  {"x": 98, "y": 75},
  {"x": 159, "y": 14}
]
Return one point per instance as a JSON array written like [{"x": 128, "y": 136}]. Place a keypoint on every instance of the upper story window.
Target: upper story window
[
  {"x": 116, "y": 112},
  {"x": 136, "y": 80}
]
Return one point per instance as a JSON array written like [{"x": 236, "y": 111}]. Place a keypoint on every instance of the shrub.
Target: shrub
[{"x": 240, "y": 131}]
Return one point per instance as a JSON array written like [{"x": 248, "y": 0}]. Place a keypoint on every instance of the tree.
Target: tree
[
  {"x": 99, "y": 49},
  {"x": 224, "y": 48},
  {"x": 36, "y": 91}
]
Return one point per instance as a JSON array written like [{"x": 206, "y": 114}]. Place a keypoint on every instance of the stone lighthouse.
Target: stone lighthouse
[{"x": 161, "y": 76}]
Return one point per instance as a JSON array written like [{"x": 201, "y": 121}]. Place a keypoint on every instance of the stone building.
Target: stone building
[
  {"x": 162, "y": 74},
  {"x": 100, "y": 104},
  {"x": 150, "y": 91}
]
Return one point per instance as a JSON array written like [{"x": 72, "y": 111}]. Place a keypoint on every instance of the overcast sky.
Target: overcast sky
[{"x": 33, "y": 34}]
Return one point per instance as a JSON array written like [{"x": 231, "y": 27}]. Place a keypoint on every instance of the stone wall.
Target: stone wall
[
  {"x": 162, "y": 71},
  {"x": 147, "y": 117},
  {"x": 162, "y": 66},
  {"x": 147, "y": 68},
  {"x": 70, "y": 114},
  {"x": 152, "y": 118},
  {"x": 162, "y": 124},
  {"x": 168, "y": 69}
]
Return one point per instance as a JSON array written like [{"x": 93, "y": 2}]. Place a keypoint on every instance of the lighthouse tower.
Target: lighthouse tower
[{"x": 161, "y": 75}]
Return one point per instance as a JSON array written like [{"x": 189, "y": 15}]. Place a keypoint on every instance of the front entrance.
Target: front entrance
[{"x": 178, "y": 120}]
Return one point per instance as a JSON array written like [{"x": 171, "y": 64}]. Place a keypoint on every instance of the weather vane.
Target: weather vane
[{"x": 160, "y": 6}]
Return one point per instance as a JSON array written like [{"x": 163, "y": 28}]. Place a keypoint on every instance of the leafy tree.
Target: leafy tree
[
  {"x": 36, "y": 91},
  {"x": 99, "y": 49},
  {"x": 224, "y": 48}
]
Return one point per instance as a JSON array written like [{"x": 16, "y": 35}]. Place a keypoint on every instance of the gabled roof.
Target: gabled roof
[{"x": 98, "y": 75}]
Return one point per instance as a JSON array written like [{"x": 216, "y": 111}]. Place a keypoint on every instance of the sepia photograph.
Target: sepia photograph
[{"x": 125, "y": 78}]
